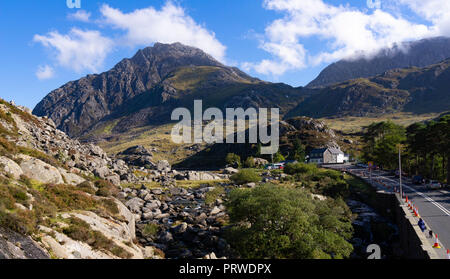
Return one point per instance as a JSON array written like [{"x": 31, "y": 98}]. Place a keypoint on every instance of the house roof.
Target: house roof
[
  {"x": 335, "y": 151},
  {"x": 322, "y": 150}
]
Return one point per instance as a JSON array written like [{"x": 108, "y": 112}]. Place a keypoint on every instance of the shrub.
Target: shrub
[
  {"x": 245, "y": 176},
  {"x": 300, "y": 168},
  {"x": 105, "y": 188},
  {"x": 87, "y": 187},
  {"x": 110, "y": 205},
  {"x": 150, "y": 230},
  {"x": 249, "y": 162},
  {"x": 233, "y": 159},
  {"x": 212, "y": 196}
]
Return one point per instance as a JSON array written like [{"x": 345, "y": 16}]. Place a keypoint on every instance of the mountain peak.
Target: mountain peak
[{"x": 176, "y": 54}]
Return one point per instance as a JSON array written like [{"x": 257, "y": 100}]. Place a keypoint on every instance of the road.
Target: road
[{"x": 433, "y": 205}]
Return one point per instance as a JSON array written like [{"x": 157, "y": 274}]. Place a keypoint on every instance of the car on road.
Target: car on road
[
  {"x": 434, "y": 184},
  {"x": 418, "y": 180}
]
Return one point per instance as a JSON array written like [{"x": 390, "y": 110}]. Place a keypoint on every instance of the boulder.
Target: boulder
[
  {"x": 101, "y": 172},
  {"x": 10, "y": 167},
  {"x": 163, "y": 165},
  {"x": 38, "y": 170},
  {"x": 114, "y": 179},
  {"x": 230, "y": 170},
  {"x": 135, "y": 204}
]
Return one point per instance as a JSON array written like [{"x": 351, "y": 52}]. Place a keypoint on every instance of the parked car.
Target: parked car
[
  {"x": 418, "y": 180},
  {"x": 434, "y": 184},
  {"x": 278, "y": 166}
]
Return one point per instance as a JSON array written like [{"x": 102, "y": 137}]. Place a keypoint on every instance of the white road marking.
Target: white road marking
[{"x": 443, "y": 209}]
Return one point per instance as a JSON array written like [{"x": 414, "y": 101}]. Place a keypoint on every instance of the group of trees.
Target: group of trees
[
  {"x": 277, "y": 222},
  {"x": 425, "y": 147},
  {"x": 297, "y": 153}
]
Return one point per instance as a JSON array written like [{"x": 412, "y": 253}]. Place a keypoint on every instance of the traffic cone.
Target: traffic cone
[
  {"x": 416, "y": 212},
  {"x": 406, "y": 199},
  {"x": 436, "y": 243},
  {"x": 448, "y": 254}
]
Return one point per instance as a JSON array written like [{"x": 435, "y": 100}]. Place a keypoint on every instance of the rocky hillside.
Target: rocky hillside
[
  {"x": 145, "y": 89},
  {"x": 63, "y": 199},
  {"x": 419, "y": 54},
  {"x": 416, "y": 90}
]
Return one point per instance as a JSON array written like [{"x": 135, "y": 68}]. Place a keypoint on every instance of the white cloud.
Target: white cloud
[
  {"x": 435, "y": 11},
  {"x": 168, "y": 25},
  {"x": 343, "y": 31},
  {"x": 80, "y": 15},
  {"x": 78, "y": 50},
  {"x": 45, "y": 72}
]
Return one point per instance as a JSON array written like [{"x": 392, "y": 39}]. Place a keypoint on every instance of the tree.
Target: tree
[
  {"x": 233, "y": 159},
  {"x": 299, "y": 151},
  {"x": 381, "y": 143},
  {"x": 278, "y": 157},
  {"x": 277, "y": 222}
]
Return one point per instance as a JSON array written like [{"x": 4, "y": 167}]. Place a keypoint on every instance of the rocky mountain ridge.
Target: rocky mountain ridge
[{"x": 408, "y": 54}]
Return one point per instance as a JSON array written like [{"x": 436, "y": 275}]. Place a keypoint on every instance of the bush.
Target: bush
[
  {"x": 150, "y": 230},
  {"x": 249, "y": 162},
  {"x": 300, "y": 168},
  {"x": 105, "y": 188},
  {"x": 275, "y": 222},
  {"x": 212, "y": 196},
  {"x": 233, "y": 159},
  {"x": 245, "y": 176}
]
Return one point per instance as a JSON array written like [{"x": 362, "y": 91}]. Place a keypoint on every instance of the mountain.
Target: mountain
[
  {"x": 418, "y": 53},
  {"x": 145, "y": 89},
  {"x": 416, "y": 90}
]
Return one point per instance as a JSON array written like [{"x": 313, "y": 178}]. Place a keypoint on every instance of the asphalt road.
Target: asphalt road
[{"x": 433, "y": 205}]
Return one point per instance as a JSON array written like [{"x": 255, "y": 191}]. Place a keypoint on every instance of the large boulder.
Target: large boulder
[
  {"x": 163, "y": 165},
  {"x": 38, "y": 170},
  {"x": 10, "y": 167}
]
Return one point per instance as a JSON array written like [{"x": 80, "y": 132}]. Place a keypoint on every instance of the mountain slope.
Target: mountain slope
[
  {"x": 417, "y": 90},
  {"x": 145, "y": 89},
  {"x": 419, "y": 54}
]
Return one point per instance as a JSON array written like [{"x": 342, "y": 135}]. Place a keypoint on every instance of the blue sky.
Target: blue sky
[{"x": 45, "y": 44}]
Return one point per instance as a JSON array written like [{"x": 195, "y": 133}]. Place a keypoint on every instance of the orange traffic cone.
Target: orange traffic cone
[
  {"x": 448, "y": 254},
  {"x": 406, "y": 199},
  {"x": 436, "y": 243},
  {"x": 416, "y": 213}
]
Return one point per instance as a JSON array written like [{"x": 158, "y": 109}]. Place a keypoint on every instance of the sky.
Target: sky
[{"x": 45, "y": 44}]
